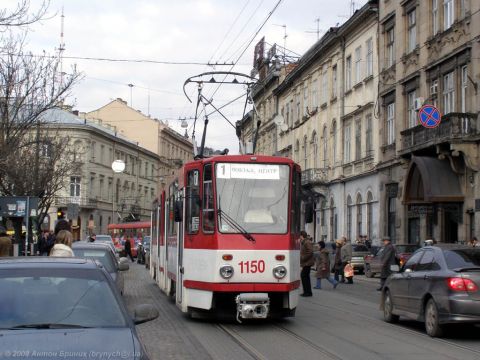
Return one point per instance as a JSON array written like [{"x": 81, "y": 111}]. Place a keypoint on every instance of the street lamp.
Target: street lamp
[{"x": 118, "y": 166}]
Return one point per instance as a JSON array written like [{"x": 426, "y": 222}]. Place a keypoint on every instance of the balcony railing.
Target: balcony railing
[
  {"x": 454, "y": 126},
  {"x": 317, "y": 176},
  {"x": 84, "y": 202}
]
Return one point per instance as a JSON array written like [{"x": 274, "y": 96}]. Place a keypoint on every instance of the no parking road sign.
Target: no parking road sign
[{"x": 429, "y": 116}]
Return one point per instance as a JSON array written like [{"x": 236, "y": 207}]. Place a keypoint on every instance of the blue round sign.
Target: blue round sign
[{"x": 429, "y": 116}]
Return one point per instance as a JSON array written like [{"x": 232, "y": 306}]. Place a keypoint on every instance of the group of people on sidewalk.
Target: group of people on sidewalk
[{"x": 341, "y": 268}]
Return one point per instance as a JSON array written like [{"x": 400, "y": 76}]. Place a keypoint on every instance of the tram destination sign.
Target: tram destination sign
[{"x": 248, "y": 171}]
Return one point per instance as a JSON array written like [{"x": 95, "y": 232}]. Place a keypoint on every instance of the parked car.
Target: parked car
[
  {"x": 142, "y": 249},
  {"x": 65, "y": 305},
  {"x": 101, "y": 252},
  {"x": 373, "y": 264},
  {"x": 359, "y": 251},
  {"x": 104, "y": 239},
  {"x": 438, "y": 285}
]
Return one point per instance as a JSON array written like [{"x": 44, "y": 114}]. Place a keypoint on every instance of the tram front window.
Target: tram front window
[{"x": 255, "y": 196}]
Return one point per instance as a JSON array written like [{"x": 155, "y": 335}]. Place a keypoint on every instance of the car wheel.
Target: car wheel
[
  {"x": 368, "y": 271},
  {"x": 432, "y": 324},
  {"x": 388, "y": 308}
]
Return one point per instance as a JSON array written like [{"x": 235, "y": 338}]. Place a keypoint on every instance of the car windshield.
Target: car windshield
[
  {"x": 254, "y": 196},
  {"x": 462, "y": 258},
  {"x": 57, "y": 297},
  {"x": 359, "y": 248},
  {"x": 102, "y": 255},
  {"x": 406, "y": 248},
  {"x": 103, "y": 238}
]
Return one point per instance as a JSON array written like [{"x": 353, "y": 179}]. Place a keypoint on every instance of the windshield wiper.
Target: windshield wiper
[
  {"x": 236, "y": 225},
  {"x": 472, "y": 268},
  {"x": 48, "y": 326}
]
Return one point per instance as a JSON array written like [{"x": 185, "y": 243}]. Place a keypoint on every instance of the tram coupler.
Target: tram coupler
[{"x": 252, "y": 306}]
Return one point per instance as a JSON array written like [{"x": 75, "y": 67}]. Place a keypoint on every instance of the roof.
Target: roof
[
  {"x": 94, "y": 245},
  {"x": 46, "y": 262}
]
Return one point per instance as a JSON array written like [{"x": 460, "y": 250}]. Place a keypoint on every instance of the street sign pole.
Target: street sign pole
[{"x": 27, "y": 224}]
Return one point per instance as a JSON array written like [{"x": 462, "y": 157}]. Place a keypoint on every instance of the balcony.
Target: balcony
[
  {"x": 83, "y": 202},
  {"x": 453, "y": 128},
  {"x": 315, "y": 176}
]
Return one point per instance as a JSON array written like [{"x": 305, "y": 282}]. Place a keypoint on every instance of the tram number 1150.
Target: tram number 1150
[{"x": 252, "y": 267}]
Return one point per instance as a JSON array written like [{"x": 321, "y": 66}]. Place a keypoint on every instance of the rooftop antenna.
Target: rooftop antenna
[
  {"x": 317, "y": 20},
  {"x": 61, "y": 47},
  {"x": 352, "y": 7},
  {"x": 285, "y": 35},
  {"x": 131, "y": 87}
]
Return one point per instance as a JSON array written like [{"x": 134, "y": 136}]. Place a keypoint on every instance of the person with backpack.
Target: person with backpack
[{"x": 388, "y": 258}]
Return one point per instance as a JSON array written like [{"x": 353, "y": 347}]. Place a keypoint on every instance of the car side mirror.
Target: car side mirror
[
  {"x": 394, "y": 268},
  {"x": 123, "y": 266},
  {"x": 144, "y": 313}
]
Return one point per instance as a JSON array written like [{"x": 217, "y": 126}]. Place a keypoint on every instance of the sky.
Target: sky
[{"x": 199, "y": 31}]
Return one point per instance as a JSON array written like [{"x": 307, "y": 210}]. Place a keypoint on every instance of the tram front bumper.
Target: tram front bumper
[{"x": 252, "y": 306}]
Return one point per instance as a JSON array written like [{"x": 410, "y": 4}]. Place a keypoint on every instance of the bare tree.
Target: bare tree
[{"x": 21, "y": 15}]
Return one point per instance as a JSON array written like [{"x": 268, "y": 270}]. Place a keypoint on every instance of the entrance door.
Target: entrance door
[
  {"x": 450, "y": 227},
  {"x": 414, "y": 230}
]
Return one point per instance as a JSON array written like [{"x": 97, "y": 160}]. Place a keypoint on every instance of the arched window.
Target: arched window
[
  {"x": 369, "y": 215},
  {"x": 305, "y": 149},
  {"x": 297, "y": 151},
  {"x": 334, "y": 143},
  {"x": 333, "y": 221},
  {"x": 315, "y": 149},
  {"x": 359, "y": 216},
  {"x": 325, "y": 151},
  {"x": 349, "y": 218},
  {"x": 323, "y": 219}
]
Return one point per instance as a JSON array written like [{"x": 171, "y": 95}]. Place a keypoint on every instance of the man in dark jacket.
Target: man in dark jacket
[
  {"x": 306, "y": 262},
  {"x": 128, "y": 249},
  {"x": 387, "y": 259}
]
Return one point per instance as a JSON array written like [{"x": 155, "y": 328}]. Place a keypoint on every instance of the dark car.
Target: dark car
[
  {"x": 101, "y": 252},
  {"x": 437, "y": 285},
  {"x": 142, "y": 249},
  {"x": 373, "y": 264},
  {"x": 69, "y": 306},
  {"x": 359, "y": 251}
]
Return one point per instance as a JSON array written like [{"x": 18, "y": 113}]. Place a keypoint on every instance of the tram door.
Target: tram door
[{"x": 180, "y": 210}]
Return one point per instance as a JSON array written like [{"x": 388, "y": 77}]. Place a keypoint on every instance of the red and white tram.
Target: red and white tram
[{"x": 225, "y": 236}]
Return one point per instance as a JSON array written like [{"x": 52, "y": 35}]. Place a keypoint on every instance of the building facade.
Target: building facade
[
  {"x": 429, "y": 181},
  {"x": 97, "y": 194}
]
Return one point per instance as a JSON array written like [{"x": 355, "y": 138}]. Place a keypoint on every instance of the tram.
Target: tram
[{"x": 225, "y": 237}]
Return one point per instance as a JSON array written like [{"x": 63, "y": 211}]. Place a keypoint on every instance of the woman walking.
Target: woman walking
[
  {"x": 63, "y": 244},
  {"x": 323, "y": 267},
  {"x": 338, "y": 266}
]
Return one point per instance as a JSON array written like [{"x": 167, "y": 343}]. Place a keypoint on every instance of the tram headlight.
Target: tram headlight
[
  {"x": 226, "y": 271},
  {"x": 280, "y": 271}
]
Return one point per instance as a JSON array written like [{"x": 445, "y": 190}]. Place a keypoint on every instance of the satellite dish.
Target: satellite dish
[
  {"x": 279, "y": 120},
  {"x": 284, "y": 127}
]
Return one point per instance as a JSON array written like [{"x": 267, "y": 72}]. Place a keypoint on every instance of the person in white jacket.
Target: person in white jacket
[{"x": 63, "y": 244}]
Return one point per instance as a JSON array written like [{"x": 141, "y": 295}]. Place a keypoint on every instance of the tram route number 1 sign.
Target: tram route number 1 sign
[{"x": 248, "y": 171}]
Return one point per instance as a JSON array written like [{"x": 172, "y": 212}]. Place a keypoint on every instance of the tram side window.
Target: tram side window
[
  {"x": 172, "y": 230},
  {"x": 193, "y": 202},
  {"x": 208, "y": 216},
  {"x": 296, "y": 201}
]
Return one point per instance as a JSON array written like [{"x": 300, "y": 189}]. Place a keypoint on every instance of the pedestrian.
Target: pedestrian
[
  {"x": 306, "y": 262},
  {"x": 92, "y": 238},
  {"x": 387, "y": 259},
  {"x": 45, "y": 243},
  {"x": 337, "y": 266},
  {"x": 62, "y": 224},
  {"x": 323, "y": 267},
  {"x": 128, "y": 249},
  {"x": 346, "y": 254},
  {"x": 63, "y": 244},
  {"x": 5, "y": 242},
  {"x": 473, "y": 242}
]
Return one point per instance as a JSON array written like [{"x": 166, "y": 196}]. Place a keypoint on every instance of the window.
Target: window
[
  {"x": 348, "y": 73},
  {"x": 305, "y": 100},
  {"x": 390, "y": 123},
  {"x": 208, "y": 209},
  {"x": 426, "y": 262},
  {"x": 464, "y": 88},
  {"x": 434, "y": 92},
  {"x": 412, "y": 30},
  {"x": 349, "y": 218},
  {"x": 324, "y": 85},
  {"x": 291, "y": 113},
  {"x": 325, "y": 148},
  {"x": 305, "y": 149},
  {"x": 448, "y": 93},
  {"x": 46, "y": 150},
  {"x": 315, "y": 149},
  {"x": 287, "y": 114},
  {"x": 75, "y": 186},
  {"x": 391, "y": 218},
  {"x": 314, "y": 95},
  {"x": 358, "y": 64},
  {"x": 192, "y": 211},
  {"x": 390, "y": 47},
  {"x": 359, "y": 216},
  {"x": 334, "y": 142},
  {"x": 369, "y": 57},
  {"x": 334, "y": 81},
  {"x": 411, "y": 264},
  {"x": 358, "y": 139},
  {"x": 435, "y": 26},
  {"x": 92, "y": 151},
  {"x": 346, "y": 148},
  {"x": 322, "y": 214},
  {"x": 369, "y": 215},
  {"x": 333, "y": 223},
  {"x": 102, "y": 153},
  {"x": 101, "y": 185},
  {"x": 448, "y": 13},
  {"x": 297, "y": 118},
  {"x": 412, "y": 114},
  {"x": 368, "y": 134},
  {"x": 463, "y": 8}
]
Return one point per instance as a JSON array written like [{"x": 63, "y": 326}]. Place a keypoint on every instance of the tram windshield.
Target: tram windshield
[{"x": 255, "y": 196}]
